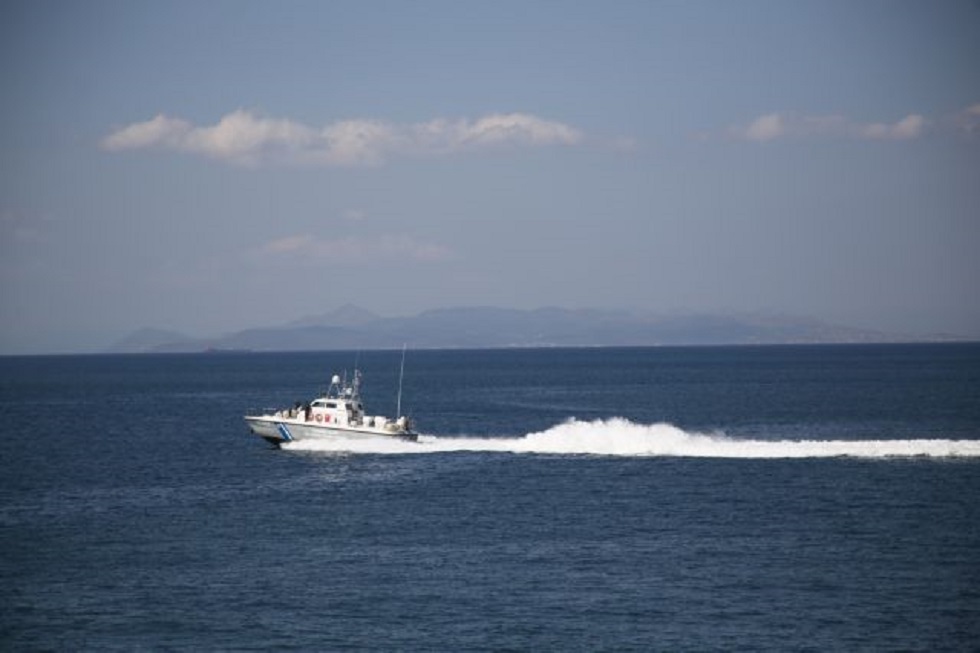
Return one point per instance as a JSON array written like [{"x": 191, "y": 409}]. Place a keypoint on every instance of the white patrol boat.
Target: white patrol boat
[{"x": 338, "y": 413}]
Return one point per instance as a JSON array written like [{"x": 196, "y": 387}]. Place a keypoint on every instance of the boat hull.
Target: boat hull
[{"x": 277, "y": 431}]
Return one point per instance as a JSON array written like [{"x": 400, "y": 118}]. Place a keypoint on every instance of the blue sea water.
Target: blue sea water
[{"x": 788, "y": 498}]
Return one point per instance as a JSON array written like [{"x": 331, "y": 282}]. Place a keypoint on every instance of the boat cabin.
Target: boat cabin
[{"x": 328, "y": 410}]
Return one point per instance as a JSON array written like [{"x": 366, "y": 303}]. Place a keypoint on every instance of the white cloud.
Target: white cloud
[
  {"x": 967, "y": 121},
  {"x": 244, "y": 138},
  {"x": 766, "y": 128},
  {"x": 160, "y": 131},
  {"x": 240, "y": 136},
  {"x": 774, "y": 126},
  {"x": 306, "y": 248},
  {"x": 515, "y": 128},
  {"x": 355, "y": 142},
  {"x": 354, "y": 215},
  {"x": 289, "y": 244},
  {"x": 910, "y": 126}
]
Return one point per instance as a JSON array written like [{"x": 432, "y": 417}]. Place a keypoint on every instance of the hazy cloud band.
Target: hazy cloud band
[
  {"x": 245, "y": 138},
  {"x": 775, "y": 126}
]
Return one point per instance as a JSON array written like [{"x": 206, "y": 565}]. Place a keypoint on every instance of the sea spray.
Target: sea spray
[{"x": 621, "y": 437}]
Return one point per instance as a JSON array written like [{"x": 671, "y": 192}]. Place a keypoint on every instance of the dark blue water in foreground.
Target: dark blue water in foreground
[{"x": 746, "y": 499}]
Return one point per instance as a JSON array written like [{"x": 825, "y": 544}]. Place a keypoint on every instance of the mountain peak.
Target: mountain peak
[
  {"x": 352, "y": 327},
  {"x": 348, "y": 315},
  {"x": 147, "y": 339}
]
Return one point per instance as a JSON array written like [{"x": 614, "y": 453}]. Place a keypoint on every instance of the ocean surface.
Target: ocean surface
[{"x": 749, "y": 498}]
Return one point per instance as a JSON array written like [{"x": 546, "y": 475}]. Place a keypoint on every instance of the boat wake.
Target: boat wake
[{"x": 620, "y": 437}]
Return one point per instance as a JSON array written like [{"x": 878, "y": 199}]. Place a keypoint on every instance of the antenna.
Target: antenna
[{"x": 401, "y": 375}]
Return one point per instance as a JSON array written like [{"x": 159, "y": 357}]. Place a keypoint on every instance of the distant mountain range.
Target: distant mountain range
[{"x": 352, "y": 327}]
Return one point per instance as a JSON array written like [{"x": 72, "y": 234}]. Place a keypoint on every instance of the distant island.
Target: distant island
[{"x": 352, "y": 327}]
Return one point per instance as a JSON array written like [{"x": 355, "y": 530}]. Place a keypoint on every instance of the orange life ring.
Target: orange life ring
[{"x": 319, "y": 418}]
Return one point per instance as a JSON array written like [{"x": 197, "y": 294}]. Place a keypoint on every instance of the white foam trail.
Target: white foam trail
[{"x": 620, "y": 437}]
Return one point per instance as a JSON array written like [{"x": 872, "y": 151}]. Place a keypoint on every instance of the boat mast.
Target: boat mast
[{"x": 401, "y": 375}]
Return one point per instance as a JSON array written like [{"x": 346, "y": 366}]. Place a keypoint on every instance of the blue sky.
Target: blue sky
[{"x": 212, "y": 166}]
